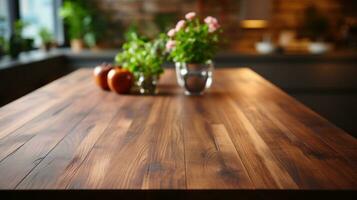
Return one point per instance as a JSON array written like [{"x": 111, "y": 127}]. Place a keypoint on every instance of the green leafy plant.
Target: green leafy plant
[
  {"x": 45, "y": 35},
  {"x": 131, "y": 33},
  {"x": 19, "y": 27},
  {"x": 17, "y": 42},
  {"x": 83, "y": 21},
  {"x": 3, "y": 42},
  {"x": 141, "y": 56},
  {"x": 75, "y": 14},
  {"x": 193, "y": 41},
  {"x": 95, "y": 28}
]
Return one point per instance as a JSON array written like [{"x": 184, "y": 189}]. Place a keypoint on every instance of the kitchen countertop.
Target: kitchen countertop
[{"x": 243, "y": 134}]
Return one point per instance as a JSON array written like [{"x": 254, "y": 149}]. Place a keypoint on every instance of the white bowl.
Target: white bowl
[
  {"x": 319, "y": 47},
  {"x": 264, "y": 47}
]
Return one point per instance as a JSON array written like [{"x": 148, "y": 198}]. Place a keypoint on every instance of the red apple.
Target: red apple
[
  {"x": 120, "y": 80},
  {"x": 100, "y": 74}
]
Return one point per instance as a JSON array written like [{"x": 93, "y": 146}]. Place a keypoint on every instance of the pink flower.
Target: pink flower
[
  {"x": 170, "y": 45},
  {"x": 190, "y": 15},
  {"x": 212, "y": 23},
  {"x": 180, "y": 25},
  {"x": 211, "y": 20},
  {"x": 213, "y": 27},
  {"x": 171, "y": 33}
]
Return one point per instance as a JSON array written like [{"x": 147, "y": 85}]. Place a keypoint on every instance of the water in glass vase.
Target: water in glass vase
[
  {"x": 195, "y": 82},
  {"x": 194, "y": 78}
]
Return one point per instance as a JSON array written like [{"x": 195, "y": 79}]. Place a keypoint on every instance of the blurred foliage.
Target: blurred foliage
[
  {"x": 165, "y": 20},
  {"x": 45, "y": 35},
  {"x": 83, "y": 21},
  {"x": 3, "y": 42},
  {"x": 74, "y": 14},
  {"x": 131, "y": 33},
  {"x": 17, "y": 42}
]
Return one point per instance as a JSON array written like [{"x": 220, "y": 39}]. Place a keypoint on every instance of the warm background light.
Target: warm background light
[{"x": 254, "y": 24}]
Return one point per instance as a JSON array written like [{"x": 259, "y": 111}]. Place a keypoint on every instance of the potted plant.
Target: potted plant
[
  {"x": 2, "y": 46},
  {"x": 144, "y": 59},
  {"x": 75, "y": 14},
  {"x": 95, "y": 31},
  {"x": 86, "y": 27},
  {"x": 46, "y": 38},
  {"x": 17, "y": 42},
  {"x": 2, "y": 37},
  {"x": 192, "y": 46}
]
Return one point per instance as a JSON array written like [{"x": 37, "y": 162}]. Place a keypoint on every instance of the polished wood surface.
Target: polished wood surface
[{"x": 244, "y": 133}]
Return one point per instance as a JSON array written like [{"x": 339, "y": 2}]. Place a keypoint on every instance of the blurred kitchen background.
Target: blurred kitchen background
[
  {"x": 308, "y": 48},
  {"x": 290, "y": 26}
]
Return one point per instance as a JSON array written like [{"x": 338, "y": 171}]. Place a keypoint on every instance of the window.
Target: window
[
  {"x": 4, "y": 19},
  {"x": 37, "y": 14}
]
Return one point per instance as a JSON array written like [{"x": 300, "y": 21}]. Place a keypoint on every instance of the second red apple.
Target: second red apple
[{"x": 120, "y": 80}]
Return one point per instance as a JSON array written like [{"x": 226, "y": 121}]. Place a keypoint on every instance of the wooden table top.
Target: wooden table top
[{"x": 244, "y": 133}]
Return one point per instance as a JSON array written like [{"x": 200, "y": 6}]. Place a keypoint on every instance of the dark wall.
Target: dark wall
[{"x": 24, "y": 78}]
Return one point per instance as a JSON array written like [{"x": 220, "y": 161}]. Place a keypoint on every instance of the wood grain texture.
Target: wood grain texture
[{"x": 244, "y": 133}]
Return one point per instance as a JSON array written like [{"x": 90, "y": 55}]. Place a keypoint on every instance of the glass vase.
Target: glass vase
[
  {"x": 147, "y": 84},
  {"x": 194, "y": 77}
]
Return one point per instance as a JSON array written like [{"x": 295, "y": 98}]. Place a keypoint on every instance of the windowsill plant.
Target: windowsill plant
[
  {"x": 17, "y": 43},
  {"x": 85, "y": 26},
  {"x": 74, "y": 14},
  {"x": 46, "y": 38},
  {"x": 2, "y": 36}
]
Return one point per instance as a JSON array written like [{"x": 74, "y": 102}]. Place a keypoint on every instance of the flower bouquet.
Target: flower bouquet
[{"x": 192, "y": 46}]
